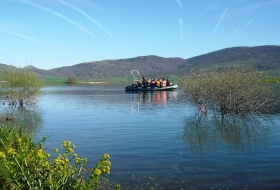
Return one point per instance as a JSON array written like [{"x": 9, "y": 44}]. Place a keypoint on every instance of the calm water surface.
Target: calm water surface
[{"x": 156, "y": 139}]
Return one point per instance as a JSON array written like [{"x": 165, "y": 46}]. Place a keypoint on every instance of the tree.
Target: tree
[
  {"x": 231, "y": 91},
  {"x": 72, "y": 80},
  {"x": 20, "y": 86}
]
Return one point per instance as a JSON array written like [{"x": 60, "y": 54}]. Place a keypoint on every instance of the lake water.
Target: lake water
[{"x": 156, "y": 140}]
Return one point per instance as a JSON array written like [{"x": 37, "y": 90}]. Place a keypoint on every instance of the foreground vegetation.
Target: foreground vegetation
[
  {"x": 26, "y": 165},
  {"x": 231, "y": 91}
]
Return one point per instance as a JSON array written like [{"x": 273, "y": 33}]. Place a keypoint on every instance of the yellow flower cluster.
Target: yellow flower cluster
[
  {"x": 19, "y": 140},
  {"x": 78, "y": 160},
  {"x": 2, "y": 155},
  {"x": 70, "y": 149},
  {"x": 41, "y": 153},
  {"x": 103, "y": 167},
  {"x": 106, "y": 169},
  {"x": 97, "y": 171},
  {"x": 59, "y": 161},
  {"x": 11, "y": 151},
  {"x": 106, "y": 156},
  {"x": 118, "y": 187}
]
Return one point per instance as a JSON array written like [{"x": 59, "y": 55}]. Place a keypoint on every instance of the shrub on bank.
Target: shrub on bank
[{"x": 26, "y": 165}]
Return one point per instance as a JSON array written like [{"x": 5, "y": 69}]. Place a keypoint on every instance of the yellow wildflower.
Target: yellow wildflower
[
  {"x": 40, "y": 153},
  {"x": 68, "y": 143},
  {"x": 118, "y": 187},
  {"x": 57, "y": 161},
  {"x": 106, "y": 156},
  {"x": 11, "y": 151},
  {"x": 97, "y": 171},
  {"x": 19, "y": 140},
  {"x": 2, "y": 155},
  {"x": 70, "y": 149},
  {"x": 78, "y": 160},
  {"x": 56, "y": 150},
  {"x": 47, "y": 163},
  {"x": 106, "y": 162}
]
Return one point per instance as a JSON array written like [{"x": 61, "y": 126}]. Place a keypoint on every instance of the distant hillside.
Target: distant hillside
[
  {"x": 262, "y": 57},
  {"x": 120, "y": 68}
]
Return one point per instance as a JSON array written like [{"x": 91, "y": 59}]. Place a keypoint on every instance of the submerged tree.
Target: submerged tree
[
  {"x": 231, "y": 91},
  {"x": 20, "y": 86}
]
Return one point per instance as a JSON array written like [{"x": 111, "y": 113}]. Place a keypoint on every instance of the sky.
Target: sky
[{"x": 50, "y": 34}]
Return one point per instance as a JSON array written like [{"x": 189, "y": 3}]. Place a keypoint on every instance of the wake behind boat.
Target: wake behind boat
[{"x": 142, "y": 84}]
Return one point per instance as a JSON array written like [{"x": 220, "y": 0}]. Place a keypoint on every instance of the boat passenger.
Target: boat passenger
[
  {"x": 167, "y": 82},
  {"x": 153, "y": 83},
  {"x": 163, "y": 83},
  {"x": 144, "y": 82},
  {"x": 158, "y": 83},
  {"x": 149, "y": 82}
]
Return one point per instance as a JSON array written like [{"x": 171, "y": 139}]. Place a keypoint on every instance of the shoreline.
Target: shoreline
[{"x": 93, "y": 82}]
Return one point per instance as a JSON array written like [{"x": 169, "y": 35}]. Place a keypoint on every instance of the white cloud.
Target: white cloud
[
  {"x": 219, "y": 22},
  {"x": 181, "y": 28},
  {"x": 86, "y": 15},
  {"x": 266, "y": 6},
  {"x": 247, "y": 24},
  {"x": 179, "y": 3},
  {"x": 234, "y": 33},
  {"x": 58, "y": 15},
  {"x": 20, "y": 35}
]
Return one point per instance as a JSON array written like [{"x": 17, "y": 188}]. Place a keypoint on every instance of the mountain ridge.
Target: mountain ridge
[{"x": 265, "y": 57}]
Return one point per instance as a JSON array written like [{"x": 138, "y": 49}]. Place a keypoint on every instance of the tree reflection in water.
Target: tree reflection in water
[
  {"x": 233, "y": 134},
  {"x": 28, "y": 118}
]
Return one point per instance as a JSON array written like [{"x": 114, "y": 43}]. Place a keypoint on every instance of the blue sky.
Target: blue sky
[{"x": 54, "y": 33}]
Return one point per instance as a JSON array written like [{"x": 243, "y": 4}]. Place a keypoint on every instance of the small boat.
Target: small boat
[{"x": 137, "y": 85}]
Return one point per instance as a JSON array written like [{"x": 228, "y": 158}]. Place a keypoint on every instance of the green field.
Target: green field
[{"x": 53, "y": 80}]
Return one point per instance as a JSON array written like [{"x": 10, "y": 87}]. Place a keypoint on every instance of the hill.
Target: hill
[{"x": 261, "y": 57}]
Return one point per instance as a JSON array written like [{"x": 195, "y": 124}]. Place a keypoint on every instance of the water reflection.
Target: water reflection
[
  {"x": 205, "y": 133},
  {"x": 154, "y": 98},
  {"x": 151, "y": 100},
  {"x": 30, "y": 118}
]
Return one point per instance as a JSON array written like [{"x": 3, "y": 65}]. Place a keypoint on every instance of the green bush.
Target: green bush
[
  {"x": 20, "y": 86},
  {"x": 26, "y": 165},
  {"x": 72, "y": 80},
  {"x": 231, "y": 91}
]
